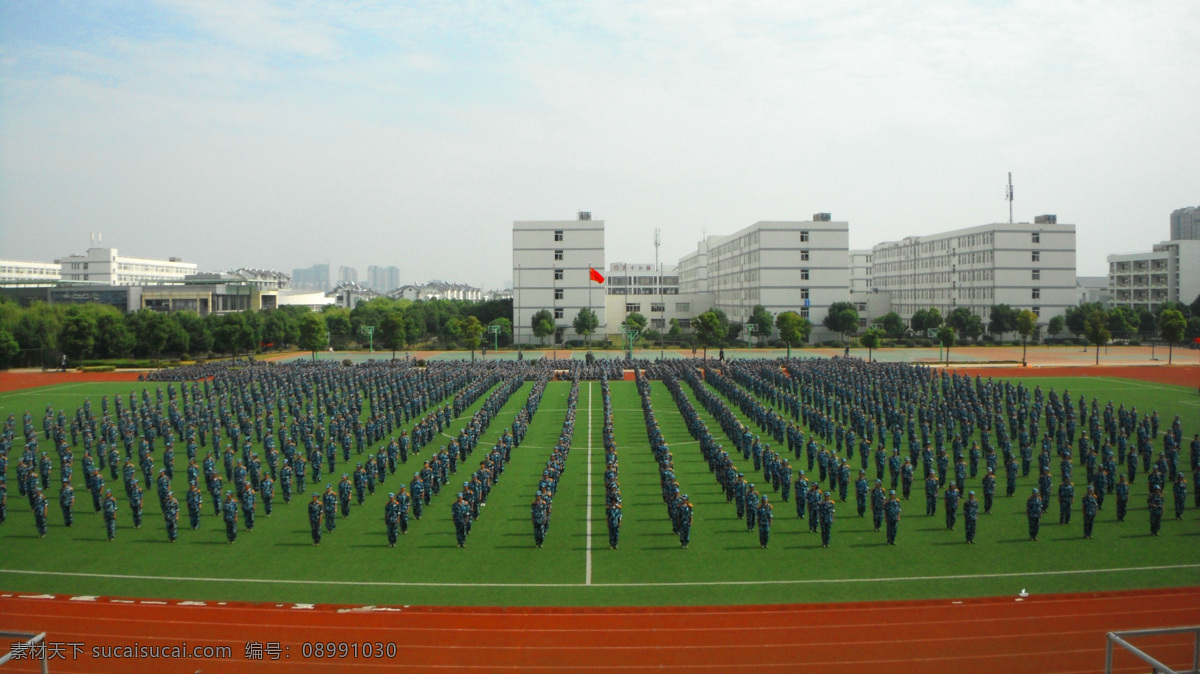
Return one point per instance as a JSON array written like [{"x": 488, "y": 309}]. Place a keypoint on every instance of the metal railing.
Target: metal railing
[
  {"x": 27, "y": 649},
  {"x": 1119, "y": 638}
]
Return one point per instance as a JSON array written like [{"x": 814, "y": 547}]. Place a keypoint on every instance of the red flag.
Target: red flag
[{"x": 595, "y": 275}]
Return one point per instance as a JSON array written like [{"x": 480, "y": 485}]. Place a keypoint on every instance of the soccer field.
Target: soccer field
[{"x": 500, "y": 566}]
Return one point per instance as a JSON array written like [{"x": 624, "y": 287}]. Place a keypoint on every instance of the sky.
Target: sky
[{"x": 278, "y": 135}]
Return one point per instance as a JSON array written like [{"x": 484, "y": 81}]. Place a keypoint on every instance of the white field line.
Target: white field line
[
  {"x": 801, "y": 581},
  {"x": 587, "y": 514},
  {"x": 40, "y": 390}
]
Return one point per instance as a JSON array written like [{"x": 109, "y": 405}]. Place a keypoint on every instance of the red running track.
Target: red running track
[{"x": 1053, "y": 633}]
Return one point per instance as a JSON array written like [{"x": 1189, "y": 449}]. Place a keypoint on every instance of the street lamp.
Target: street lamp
[
  {"x": 495, "y": 330},
  {"x": 751, "y": 328},
  {"x": 369, "y": 332}
]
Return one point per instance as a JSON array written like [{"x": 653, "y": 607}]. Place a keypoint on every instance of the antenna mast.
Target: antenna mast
[{"x": 1009, "y": 196}]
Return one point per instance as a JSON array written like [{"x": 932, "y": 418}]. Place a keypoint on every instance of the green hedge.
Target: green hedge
[
  {"x": 98, "y": 368},
  {"x": 127, "y": 363}
]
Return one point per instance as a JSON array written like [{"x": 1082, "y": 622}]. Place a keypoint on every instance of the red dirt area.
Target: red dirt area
[
  {"x": 1181, "y": 375},
  {"x": 1053, "y": 633},
  {"x": 15, "y": 381}
]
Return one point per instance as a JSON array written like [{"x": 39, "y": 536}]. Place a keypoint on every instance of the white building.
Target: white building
[
  {"x": 1027, "y": 266},
  {"x": 551, "y": 263},
  {"x": 636, "y": 288},
  {"x": 1092, "y": 289},
  {"x": 437, "y": 290},
  {"x": 14, "y": 272},
  {"x": 1170, "y": 272},
  {"x": 860, "y": 271},
  {"x": 693, "y": 267},
  {"x": 796, "y": 266},
  {"x": 104, "y": 266}
]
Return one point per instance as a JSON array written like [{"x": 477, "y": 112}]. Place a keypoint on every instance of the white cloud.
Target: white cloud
[{"x": 376, "y": 133}]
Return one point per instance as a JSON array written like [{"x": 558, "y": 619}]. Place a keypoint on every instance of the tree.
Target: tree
[
  {"x": 841, "y": 318},
  {"x": 585, "y": 323},
  {"x": 1171, "y": 327},
  {"x": 1193, "y": 328},
  {"x": 762, "y": 321},
  {"x": 945, "y": 337},
  {"x": 393, "y": 333},
  {"x": 280, "y": 328},
  {"x": 77, "y": 338},
  {"x": 200, "y": 338},
  {"x": 8, "y": 347},
  {"x": 960, "y": 319},
  {"x": 1057, "y": 324},
  {"x": 793, "y": 329},
  {"x": 925, "y": 319},
  {"x": 1026, "y": 324},
  {"x": 113, "y": 337},
  {"x": 471, "y": 331},
  {"x": 709, "y": 330},
  {"x": 734, "y": 330},
  {"x": 152, "y": 330},
  {"x": 974, "y": 327},
  {"x": 1194, "y": 307},
  {"x": 635, "y": 321},
  {"x": 1002, "y": 319},
  {"x": 872, "y": 339},
  {"x": 1122, "y": 321},
  {"x": 1147, "y": 322},
  {"x": 1096, "y": 328},
  {"x": 675, "y": 331},
  {"x": 1076, "y": 317},
  {"x": 337, "y": 322},
  {"x": 543, "y": 325},
  {"x": 313, "y": 335},
  {"x": 892, "y": 324}
]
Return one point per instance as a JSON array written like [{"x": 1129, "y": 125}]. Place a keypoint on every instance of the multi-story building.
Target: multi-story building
[
  {"x": 383, "y": 279},
  {"x": 784, "y": 266},
  {"x": 860, "y": 271},
  {"x": 104, "y": 266},
  {"x": 18, "y": 272},
  {"x": 1169, "y": 272},
  {"x": 1027, "y": 266},
  {"x": 552, "y": 260},
  {"x": 1092, "y": 289},
  {"x": 1185, "y": 224},
  {"x": 347, "y": 275},
  {"x": 693, "y": 267},
  {"x": 636, "y": 288},
  {"x": 315, "y": 277}
]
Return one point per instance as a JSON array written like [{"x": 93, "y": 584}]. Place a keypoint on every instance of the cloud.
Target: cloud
[{"x": 279, "y": 134}]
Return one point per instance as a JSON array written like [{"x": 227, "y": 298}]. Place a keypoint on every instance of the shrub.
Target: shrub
[
  {"x": 98, "y": 368},
  {"x": 347, "y": 362}
]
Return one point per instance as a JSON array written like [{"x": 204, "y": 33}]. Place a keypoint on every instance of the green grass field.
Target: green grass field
[{"x": 724, "y": 564}]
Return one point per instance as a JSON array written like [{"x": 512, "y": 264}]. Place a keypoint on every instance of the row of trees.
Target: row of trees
[{"x": 37, "y": 334}]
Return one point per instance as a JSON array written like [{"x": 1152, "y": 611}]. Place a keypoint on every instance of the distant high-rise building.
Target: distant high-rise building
[
  {"x": 315, "y": 277},
  {"x": 1185, "y": 224},
  {"x": 347, "y": 275},
  {"x": 383, "y": 279}
]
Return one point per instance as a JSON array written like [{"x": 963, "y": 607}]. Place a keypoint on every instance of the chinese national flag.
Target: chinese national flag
[{"x": 595, "y": 275}]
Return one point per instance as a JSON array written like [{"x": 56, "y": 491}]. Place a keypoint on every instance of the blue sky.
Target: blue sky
[{"x": 282, "y": 134}]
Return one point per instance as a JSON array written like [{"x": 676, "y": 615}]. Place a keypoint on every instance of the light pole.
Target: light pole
[{"x": 751, "y": 328}]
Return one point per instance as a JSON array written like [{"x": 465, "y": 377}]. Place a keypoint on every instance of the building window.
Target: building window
[
  {"x": 684, "y": 323},
  {"x": 803, "y": 274},
  {"x": 657, "y": 308},
  {"x": 804, "y": 236},
  {"x": 1037, "y": 311},
  {"x": 1037, "y": 237},
  {"x": 1037, "y": 293},
  {"x": 683, "y": 307},
  {"x": 633, "y": 307},
  {"x": 558, "y": 255},
  {"x": 804, "y": 293},
  {"x": 558, "y": 235},
  {"x": 1037, "y": 274},
  {"x": 1037, "y": 256},
  {"x": 804, "y": 256},
  {"x": 658, "y": 323},
  {"x": 558, "y": 274},
  {"x": 558, "y": 293},
  {"x": 804, "y": 311},
  {"x": 558, "y": 312},
  {"x": 860, "y": 306}
]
